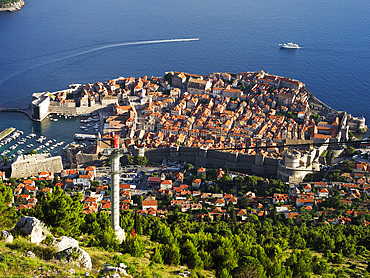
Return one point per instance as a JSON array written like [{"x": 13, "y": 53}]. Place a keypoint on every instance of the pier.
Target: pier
[{"x": 26, "y": 111}]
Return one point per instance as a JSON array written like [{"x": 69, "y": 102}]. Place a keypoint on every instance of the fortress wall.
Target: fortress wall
[
  {"x": 271, "y": 165},
  {"x": 29, "y": 168},
  {"x": 82, "y": 158},
  {"x": 246, "y": 161},
  {"x": 213, "y": 155},
  {"x": 201, "y": 157},
  {"x": 77, "y": 110},
  {"x": 187, "y": 154},
  {"x": 245, "y": 158},
  {"x": 157, "y": 155}
]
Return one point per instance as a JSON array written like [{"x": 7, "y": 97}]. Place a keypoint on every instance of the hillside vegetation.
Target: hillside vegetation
[
  {"x": 266, "y": 246},
  {"x": 5, "y": 3}
]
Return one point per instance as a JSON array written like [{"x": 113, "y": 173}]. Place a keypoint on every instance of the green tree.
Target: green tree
[
  {"x": 211, "y": 174},
  {"x": 223, "y": 273},
  {"x": 171, "y": 254},
  {"x": 142, "y": 160},
  {"x": 5, "y": 159},
  {"x": 190, "y": 255},
  {"x": 349, "y": 151},
  {"x": 226, "y": 176},
  {"x": 206, "y": 259},
  {"x": 157, "y": 256},
  {"x": 297, "y": 241},
  {"x": 137, "y": 225},
  {"x": 32, "y": 152},
  {"x": 94, "y": 185},
  {"x": 133, "y": 245},
  {"x": 249, "y": 267},
  {"x": 299, "y": 264},
  {"x": 130, "y": 159},
  {"x": 62, "y": 213},
  {"x": 329, "y": 157},
  {"x": 7, "y": 214},
  {"x": 319, "y": 266},
  {"x": 225, "y": 257},
  {"x": 99, "y": 226},
  {"x": 337, "y": 258},
  {"x": 168, "y": 76},
  {"x": 189, "y": 167}
]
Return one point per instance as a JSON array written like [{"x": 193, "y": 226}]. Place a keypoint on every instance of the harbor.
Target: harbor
[{"x": 52, "y": 136}]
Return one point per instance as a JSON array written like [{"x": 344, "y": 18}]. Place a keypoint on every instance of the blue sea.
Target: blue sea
[{"x": 50, "y": 44}]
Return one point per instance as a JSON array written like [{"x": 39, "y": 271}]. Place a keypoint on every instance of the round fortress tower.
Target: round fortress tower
[{"x": 292, "y": 159}]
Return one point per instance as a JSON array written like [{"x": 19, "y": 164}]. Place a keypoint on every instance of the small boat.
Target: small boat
[
  {"x": 78, "y": 137},
  {"x": 289, "y": 45}
]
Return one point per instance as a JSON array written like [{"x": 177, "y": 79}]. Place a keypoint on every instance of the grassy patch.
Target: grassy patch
[{"x": 22, "y": 245}]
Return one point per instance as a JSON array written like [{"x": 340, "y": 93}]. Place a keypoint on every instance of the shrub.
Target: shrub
[{"x": 21, "y": 245}]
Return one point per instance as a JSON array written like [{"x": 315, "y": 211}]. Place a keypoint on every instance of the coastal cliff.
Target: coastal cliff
[{"x": 12, "y": 7}]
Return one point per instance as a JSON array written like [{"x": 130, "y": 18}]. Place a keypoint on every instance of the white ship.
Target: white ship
[{"x": 289, "y": 45}]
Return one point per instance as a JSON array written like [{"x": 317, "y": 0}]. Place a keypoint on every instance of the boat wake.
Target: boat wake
[{"x": 107, "y": 46}]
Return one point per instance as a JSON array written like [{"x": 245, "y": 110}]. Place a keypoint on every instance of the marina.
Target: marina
[
  {"x": 32, "y": 144},
  {"x": 51, "y": 136}
]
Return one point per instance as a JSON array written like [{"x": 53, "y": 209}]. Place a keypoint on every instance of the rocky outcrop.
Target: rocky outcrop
[
  {"x": 13, "y": 7},
  {"x": 76, "y": 256},
  {"x": 31, "y": 227},
  {"x": 30, "y": 254},
  {"x": 111, "y": 269},
  {"x": 7, "y": 236},
  {"x": 63, "y": 243}
]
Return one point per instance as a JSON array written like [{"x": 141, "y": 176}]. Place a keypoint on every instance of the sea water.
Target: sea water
[{"x": 50, "y": 44}]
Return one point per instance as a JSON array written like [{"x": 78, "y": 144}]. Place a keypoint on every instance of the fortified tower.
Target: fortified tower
[{"x": 294, "y": 166}]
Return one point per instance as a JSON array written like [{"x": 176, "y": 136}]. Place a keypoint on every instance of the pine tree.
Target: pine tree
[
  {"x": 137, "y": 225},
  {"x": 7, "y": 214},
  {"x": 133, "y": 245},
  {"x": 190, "y": 255},
  {"x": 157, "y": 256},
  {"x": 171, "y": 254},
  {"x": 61, "y": 212}
]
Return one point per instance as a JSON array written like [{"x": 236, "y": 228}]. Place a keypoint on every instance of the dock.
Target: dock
[
  {"x": 6, "y": 132},
  {"x": 80, "y": 136}
]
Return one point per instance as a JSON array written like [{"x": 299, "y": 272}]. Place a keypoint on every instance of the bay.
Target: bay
[{"x": 50, "y": 44}]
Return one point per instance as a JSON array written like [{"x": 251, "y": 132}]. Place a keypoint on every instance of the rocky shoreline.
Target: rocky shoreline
[{"x": 13, "y": 7}]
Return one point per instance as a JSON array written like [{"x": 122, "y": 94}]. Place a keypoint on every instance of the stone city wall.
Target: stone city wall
[
  {"x": 28, "y": 168},
  {"x": 214, "y": 158}
]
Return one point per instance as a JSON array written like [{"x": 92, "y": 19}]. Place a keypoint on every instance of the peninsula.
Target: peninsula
[
  {"x": 239, "y": 121},
  {"x": 213, "y": 175},
  {"x": 11, "y": 5}
]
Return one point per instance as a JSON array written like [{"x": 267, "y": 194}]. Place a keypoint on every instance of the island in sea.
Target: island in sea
[
  {"x": 239, "y": 121},
  {"x": 11, "y": 5}
]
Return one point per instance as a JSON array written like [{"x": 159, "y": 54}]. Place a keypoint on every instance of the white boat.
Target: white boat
[
  {"x": 289, "y": 45},
  {"x": 78, "y": 137}
]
